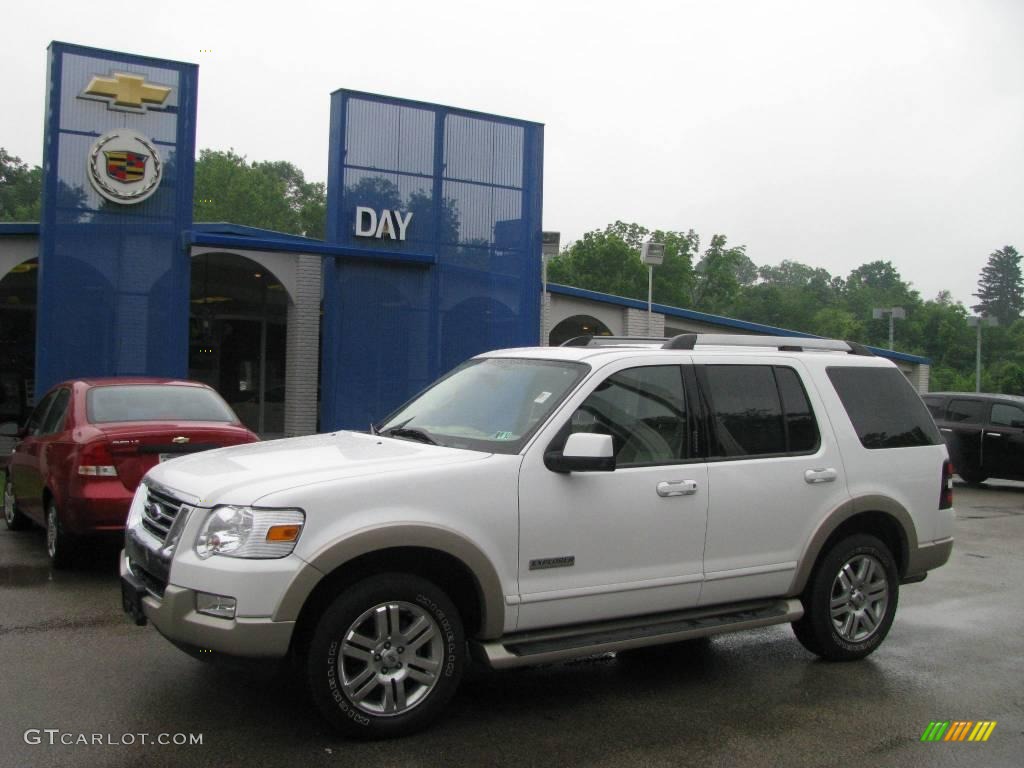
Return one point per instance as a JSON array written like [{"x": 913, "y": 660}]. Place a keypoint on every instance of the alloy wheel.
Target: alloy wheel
[
  {"x": 391, "y": 658},
  {"x": 9, "y": 502},
  {"x": 860, "y": 598},
  {"x": 51, "y": 531}
]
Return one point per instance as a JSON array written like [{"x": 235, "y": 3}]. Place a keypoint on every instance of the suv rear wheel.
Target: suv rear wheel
[
  {"x": 386, "y": 656},
  {"x": 850, "y": 601}
]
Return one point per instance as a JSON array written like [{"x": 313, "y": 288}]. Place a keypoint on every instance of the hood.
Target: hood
[{"x": 243, "y": 474}]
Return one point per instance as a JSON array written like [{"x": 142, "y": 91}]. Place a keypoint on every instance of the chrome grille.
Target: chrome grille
[{"x": 159, "y": 513}]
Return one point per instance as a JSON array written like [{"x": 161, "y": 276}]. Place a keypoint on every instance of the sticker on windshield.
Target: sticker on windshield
[
  {"x": 504, "y": 436},
  {"x": 542, "y": 397}
]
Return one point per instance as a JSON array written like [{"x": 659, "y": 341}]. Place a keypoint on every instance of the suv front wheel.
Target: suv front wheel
[
  {"x": 850, "y": 601},
  {"x": 386, "y": 656}
]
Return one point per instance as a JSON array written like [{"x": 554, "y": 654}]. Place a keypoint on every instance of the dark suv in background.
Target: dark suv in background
[{"x": 985, "y": 433}]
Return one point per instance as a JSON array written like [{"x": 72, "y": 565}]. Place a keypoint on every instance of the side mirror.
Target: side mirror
[
  {"x": 583, "y": 452},
  {"x": 10, "y": 429}
]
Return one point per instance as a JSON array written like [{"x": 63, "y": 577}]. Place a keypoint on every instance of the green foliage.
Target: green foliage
[
  {"x": 723, "y": 280},
  {"x": 20, "y": 189},
  {"x": 272, "y": 195},
  {"x": 1000, "y": 287}
]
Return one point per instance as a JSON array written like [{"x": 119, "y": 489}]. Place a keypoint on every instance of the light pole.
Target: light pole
[
  {"x": 651, "y": 254},
  {"x": 548, "y": 250},
  {"x": 977, "y": 322},
  {"x": 894, "y": 313}
]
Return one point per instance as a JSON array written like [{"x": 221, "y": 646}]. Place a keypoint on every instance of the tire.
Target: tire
[
  {"x": 12, "y": 516},
  {"x": 858, "y": 576},
  {"x": 971, "y": 477},
  {"x": 60, "y": 545},
  {"x": 362, "y": 676}
]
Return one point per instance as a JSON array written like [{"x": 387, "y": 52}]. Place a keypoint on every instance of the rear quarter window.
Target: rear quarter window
[{"x": 883, "y": 407}]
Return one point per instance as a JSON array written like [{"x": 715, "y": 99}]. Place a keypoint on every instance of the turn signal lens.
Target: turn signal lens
[{"x": 283, "y": 532}]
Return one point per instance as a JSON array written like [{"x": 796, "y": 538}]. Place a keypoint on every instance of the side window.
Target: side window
[
  {"x": 746, "y": 411},
  {"x": 936, "y": 407},
  {"x": 1004, "y": 415},
  {"x": 967, "y": 411},
  {"x": 644, "y": 410},
  {"x": 801, "y": 428},
  {"x": 35, "y": 421},
  {"x": 55, "y": 417}
]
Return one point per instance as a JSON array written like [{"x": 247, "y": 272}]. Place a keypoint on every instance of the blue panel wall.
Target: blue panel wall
[
  {"x": 473, "y": 183},
  {"x": 113, "y": 278}
]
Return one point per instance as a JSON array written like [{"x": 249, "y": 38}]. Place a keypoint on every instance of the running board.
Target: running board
[{"x": 545, "y": 646}]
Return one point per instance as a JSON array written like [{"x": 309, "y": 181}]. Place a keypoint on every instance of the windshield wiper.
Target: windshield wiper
[{"x": 411, "y": 433}]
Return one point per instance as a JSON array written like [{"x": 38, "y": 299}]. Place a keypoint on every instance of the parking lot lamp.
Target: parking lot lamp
[{"x": 978, "y": 321}]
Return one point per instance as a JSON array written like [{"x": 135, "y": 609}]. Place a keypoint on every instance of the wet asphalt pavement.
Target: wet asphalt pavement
[{"x": 70, "y": 661}]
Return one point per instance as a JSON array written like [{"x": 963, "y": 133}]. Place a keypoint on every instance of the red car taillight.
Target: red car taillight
[
  {"x": 95, "y": 461},
  {"x": 946, "y": 492}
]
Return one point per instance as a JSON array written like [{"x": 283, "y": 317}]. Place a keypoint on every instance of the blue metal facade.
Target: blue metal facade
[
  {"x": 466, "y": 279},
  {"x": 113, "y": 279}
]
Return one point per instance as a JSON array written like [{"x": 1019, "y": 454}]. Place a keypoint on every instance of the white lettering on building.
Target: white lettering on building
[{"x": 390, "y": 224}]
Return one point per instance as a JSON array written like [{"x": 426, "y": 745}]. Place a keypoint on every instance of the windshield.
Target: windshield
[
  {"x": 493, "y": 404},
  {"x": 155, "y": 402}
]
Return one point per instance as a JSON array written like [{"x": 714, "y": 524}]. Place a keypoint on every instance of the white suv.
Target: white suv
[{"x": 541, "y": 504}]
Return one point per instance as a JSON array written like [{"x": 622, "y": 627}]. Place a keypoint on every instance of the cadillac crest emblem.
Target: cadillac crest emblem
[{"x": 124, "y": 166}]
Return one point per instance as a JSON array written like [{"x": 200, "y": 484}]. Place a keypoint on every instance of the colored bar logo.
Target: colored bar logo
[{"x": 958, "y": 730}]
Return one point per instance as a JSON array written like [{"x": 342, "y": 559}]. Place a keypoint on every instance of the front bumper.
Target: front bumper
[{"x": 175, "y": 617}]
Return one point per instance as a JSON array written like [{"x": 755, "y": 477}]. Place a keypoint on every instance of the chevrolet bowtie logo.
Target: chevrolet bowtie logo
[{"x": 126, "y": 92}]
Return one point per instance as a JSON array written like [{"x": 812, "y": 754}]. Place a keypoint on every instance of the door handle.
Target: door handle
[
  {"x": 677, "y": 488},
  {"x": 815, "y": 476},
  {"x": 945, "y": 429},
  {"x": 993, "y": 434}
]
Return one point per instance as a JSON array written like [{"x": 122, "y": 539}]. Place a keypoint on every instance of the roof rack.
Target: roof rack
[
  {"x": 613, "y": 341},
  {"x": 782, "y": 343},
  {"x": 691, "y": 340}
]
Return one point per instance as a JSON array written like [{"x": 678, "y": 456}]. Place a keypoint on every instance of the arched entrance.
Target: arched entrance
[
  {"x": 577, "y": 325},
  {"x": 18, "y": 340},
  {"x": 237, "y": 337}
]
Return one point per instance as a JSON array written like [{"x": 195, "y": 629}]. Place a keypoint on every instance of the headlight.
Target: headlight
[
  {"x": 251, "y": 533},
  {"x": 135, "y": 510}
]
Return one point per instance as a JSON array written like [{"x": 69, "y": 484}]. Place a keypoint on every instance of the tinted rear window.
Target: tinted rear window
[
  {"x": 155, "y": 402},
  {"x": 936, "y": 407},
  {"x": 883, "y": 407},
  {"x": 967, "y": 411}
]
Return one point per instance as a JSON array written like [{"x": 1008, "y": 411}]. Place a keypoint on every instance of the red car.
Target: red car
[{"x": 88, "y": 443}]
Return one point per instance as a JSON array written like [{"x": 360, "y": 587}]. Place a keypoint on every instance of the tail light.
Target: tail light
[
  {"x": 946, "y": 492},
  {"x": 94, "y": 460}
]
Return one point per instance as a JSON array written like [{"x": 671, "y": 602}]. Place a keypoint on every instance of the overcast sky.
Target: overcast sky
[{"x": 831, "y": 133}]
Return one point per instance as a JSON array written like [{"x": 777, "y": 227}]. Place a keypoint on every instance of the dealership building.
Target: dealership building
[{"x": 432, "y": 254}]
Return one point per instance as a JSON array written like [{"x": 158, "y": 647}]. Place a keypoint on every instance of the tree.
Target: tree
[
  {"x": 720, "y": 274},
  {"x": 1001, "y": 287},
  {"x": 20, "y": 189},
  {"x": 601, "y": 261},
  {"x": 273, "y": 195}
]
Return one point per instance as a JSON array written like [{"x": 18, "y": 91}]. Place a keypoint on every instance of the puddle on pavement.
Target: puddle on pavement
[
  {"x": 24, "y": 575},
  {"x": 38, "y": 575}
]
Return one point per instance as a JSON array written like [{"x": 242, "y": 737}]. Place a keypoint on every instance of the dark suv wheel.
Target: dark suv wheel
[
  {"x": 971, "y": 477},
  {"x": 850, "y": 600},
  {"x": 386, "y": 656}
]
